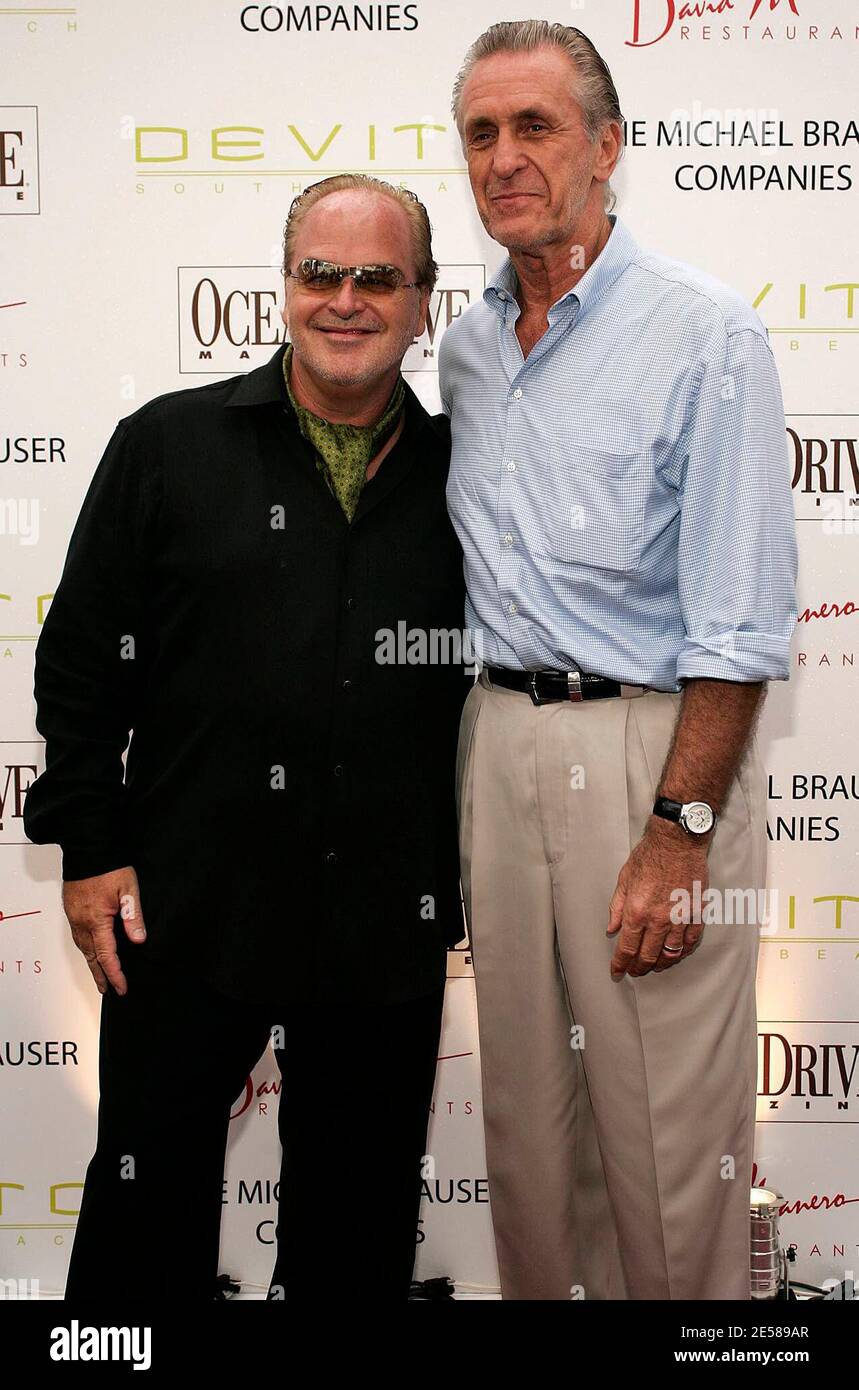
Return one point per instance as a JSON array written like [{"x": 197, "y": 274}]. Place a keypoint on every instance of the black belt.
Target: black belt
[{"x": 546, "y": 686}]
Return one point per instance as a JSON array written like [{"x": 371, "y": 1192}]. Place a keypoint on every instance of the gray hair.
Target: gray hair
[
  {"x": 594, "y": 87},
  {"x": 420, "y": 229}
]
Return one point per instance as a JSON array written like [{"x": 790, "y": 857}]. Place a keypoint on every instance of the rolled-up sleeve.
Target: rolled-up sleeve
[{"x": 737, "y": 553}]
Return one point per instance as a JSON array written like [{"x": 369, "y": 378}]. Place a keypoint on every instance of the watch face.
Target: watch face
[{"x": 698, "y": 817}]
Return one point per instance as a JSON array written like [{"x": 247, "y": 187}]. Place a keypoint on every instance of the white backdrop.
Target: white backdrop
[{"x": 149, "y": 154}]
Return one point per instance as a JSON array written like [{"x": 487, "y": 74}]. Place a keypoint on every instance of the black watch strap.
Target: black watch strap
[{"x": 668, "y": 809}]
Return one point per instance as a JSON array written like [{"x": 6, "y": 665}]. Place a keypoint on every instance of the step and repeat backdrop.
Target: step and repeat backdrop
[{"x": 148, "y": 155}]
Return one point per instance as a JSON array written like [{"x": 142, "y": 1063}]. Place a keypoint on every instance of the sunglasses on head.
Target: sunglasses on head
[{"x": 314, "y": 274}]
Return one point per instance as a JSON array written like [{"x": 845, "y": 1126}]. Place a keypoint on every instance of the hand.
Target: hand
[
  {"x": 665, "y": 858},
  {"x": 90, "y": 904}
]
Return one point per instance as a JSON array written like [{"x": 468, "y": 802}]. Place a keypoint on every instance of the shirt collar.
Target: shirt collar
[
  {"x": 262, "y": 385},
  {"x": 619, "y": 252}
]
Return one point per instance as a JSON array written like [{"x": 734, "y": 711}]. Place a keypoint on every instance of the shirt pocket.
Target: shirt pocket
[{"x": 595, "y": 505}]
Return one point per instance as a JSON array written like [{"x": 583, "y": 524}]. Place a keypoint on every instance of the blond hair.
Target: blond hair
[{"x": 426, "y": 270}]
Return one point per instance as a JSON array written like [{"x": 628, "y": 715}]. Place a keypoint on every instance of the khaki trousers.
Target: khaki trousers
[{"x": 619, "y": 1169}]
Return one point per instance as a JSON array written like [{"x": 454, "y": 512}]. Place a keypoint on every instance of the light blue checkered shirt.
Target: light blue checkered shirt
[{"x": 623, "y": 495}]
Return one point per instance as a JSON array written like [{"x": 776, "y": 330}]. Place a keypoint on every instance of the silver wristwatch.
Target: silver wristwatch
[{"x": 696, "y": 817}]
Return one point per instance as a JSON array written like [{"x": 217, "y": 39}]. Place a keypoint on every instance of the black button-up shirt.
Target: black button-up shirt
[{"x": 288, "y": 800}]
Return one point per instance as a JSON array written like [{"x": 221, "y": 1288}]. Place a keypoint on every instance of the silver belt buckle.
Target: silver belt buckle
[
  {"x": 532, "y": 690},
  {"x": 574, "y": 686}
]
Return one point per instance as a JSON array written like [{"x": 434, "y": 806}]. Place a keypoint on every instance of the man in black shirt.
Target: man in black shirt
[{"x": 280, "y": 860}]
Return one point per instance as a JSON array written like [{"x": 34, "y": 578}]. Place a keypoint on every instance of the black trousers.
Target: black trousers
[{"x": 174, "y": 1056}]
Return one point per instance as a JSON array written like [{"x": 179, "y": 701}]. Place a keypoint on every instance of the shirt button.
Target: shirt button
[
  {"x": 338, "y": 771},
  {"x": 350, "y": 603},
  {"x": 508, "y": 538},
  {"x": 331, "y": 857},
  {"x": 347, "y": 684},
  {"x": 511, "y": 467},
  {"x": 512, "y": 608},
  {"x": 517, "y": 394}
]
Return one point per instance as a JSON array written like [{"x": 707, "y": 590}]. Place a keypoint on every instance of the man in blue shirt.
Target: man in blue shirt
[{"x": 619, "y": 483}]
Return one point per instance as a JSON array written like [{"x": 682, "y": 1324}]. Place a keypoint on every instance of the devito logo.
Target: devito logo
[{"x": 19, "y": 160}]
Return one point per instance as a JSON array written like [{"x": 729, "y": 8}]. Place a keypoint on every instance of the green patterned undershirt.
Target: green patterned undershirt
[{"x": 344, "y": 451}]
